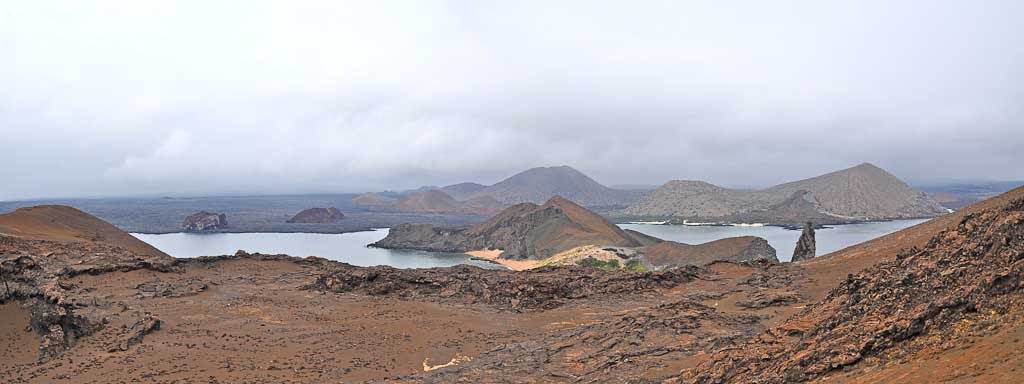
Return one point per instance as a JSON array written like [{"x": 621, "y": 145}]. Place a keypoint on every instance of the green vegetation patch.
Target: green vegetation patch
[{"x": 635, "y": 265}]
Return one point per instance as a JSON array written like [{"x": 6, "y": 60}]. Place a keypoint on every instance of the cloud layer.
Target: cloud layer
[{"x": 123, "y": 98}]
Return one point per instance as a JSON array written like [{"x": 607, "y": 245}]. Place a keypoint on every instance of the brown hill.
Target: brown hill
[
  {"x": 668, "y": 254},
  {"x": 431, "y": 201},
  {"x": 523, "y": 231},
  {"x": 863, "y": 192},
  {"x": 462, "y": 191},
  {"x": 437, "y": 202},
  {"x": 63, "y": 223},
  {"x": 483, "y": 206},
  {"x": 372, "y": 200},
  {"x": 537, "y": 185},
  {"x": 317, "y": 216}
]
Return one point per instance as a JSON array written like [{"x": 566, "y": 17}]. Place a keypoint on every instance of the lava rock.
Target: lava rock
[{"x": 536, "y": 289}]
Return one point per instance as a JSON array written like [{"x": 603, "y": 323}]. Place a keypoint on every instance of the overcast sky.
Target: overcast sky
[{"x": 141, "y": 97}]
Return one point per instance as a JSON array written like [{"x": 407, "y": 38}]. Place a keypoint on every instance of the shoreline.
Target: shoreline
[
  {"x": 214, "y": 232},
  {"x": 492, "y": 255},
  {"x": 652, "y": 223}
]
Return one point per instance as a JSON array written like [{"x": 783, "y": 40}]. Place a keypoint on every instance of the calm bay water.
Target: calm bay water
[
  {"x": 346, "y": 247},
  {"x": 351, "y": 247},
  {"x": 783, "y": 240}
]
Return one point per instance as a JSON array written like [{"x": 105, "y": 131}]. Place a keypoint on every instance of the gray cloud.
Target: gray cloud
[{"x": 198, "y": 97}]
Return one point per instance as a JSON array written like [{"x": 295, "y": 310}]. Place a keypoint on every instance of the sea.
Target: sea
[{"x": 352, "y": 247}]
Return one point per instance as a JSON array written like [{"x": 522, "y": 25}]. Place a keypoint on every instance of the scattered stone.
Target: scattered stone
[
  {"x": 607, "y": 351},
  {"x": 763, "y": 299},
  {"x": 177, "y": 288},
  {"x": 536, "y": 289},
  {"x": 139, "y": 329}
]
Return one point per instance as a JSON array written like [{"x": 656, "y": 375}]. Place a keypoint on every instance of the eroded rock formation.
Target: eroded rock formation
[{"x": 805, "y": 245}]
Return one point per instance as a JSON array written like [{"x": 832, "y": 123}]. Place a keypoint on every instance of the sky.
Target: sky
[{"x": 123, "y": 98}]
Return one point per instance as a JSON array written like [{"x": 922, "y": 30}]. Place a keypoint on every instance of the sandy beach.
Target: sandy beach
[{"x": 492, "y": 254}]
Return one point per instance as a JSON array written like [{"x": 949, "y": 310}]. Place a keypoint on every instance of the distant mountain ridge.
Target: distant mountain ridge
[
  {"x": 462, "y": 191},
  {"x": 537, "y": 185},
  {"x": 957, "y": 195},
  {"x": 432, "y": 201},
  {"x": 863, "y": 192}
]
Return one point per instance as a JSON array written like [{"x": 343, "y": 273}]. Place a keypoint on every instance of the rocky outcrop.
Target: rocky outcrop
[
  {"x": 967, "y": 282},
  {"x": 426, "y": 237},
  {"x": 538, "y": 289},
  {"x": 523, "y": 231},
  {"x": 669, "y": 254},
  {"x": 317, "y": 216},
  {"x": 863, "y": 192},
  {"x": 204, "y": 221},
  {"x": 134, "y": 333},
  {"x": 805, "y": 246}
]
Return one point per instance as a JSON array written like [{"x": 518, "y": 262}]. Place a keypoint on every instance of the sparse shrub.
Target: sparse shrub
[
  {"x": 595, "y": 263},
  {"x": 635, "y": 265}
]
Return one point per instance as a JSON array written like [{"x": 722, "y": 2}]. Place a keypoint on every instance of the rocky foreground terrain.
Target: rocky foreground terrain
[
  {"x": 941, "y": 301},
  {"x": 863, "y": 192}
]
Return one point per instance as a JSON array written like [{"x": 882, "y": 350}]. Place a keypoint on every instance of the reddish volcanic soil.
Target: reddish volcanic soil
[
  {"x": 253, "y": 324},
  {"x": 99, "y": 307}
]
